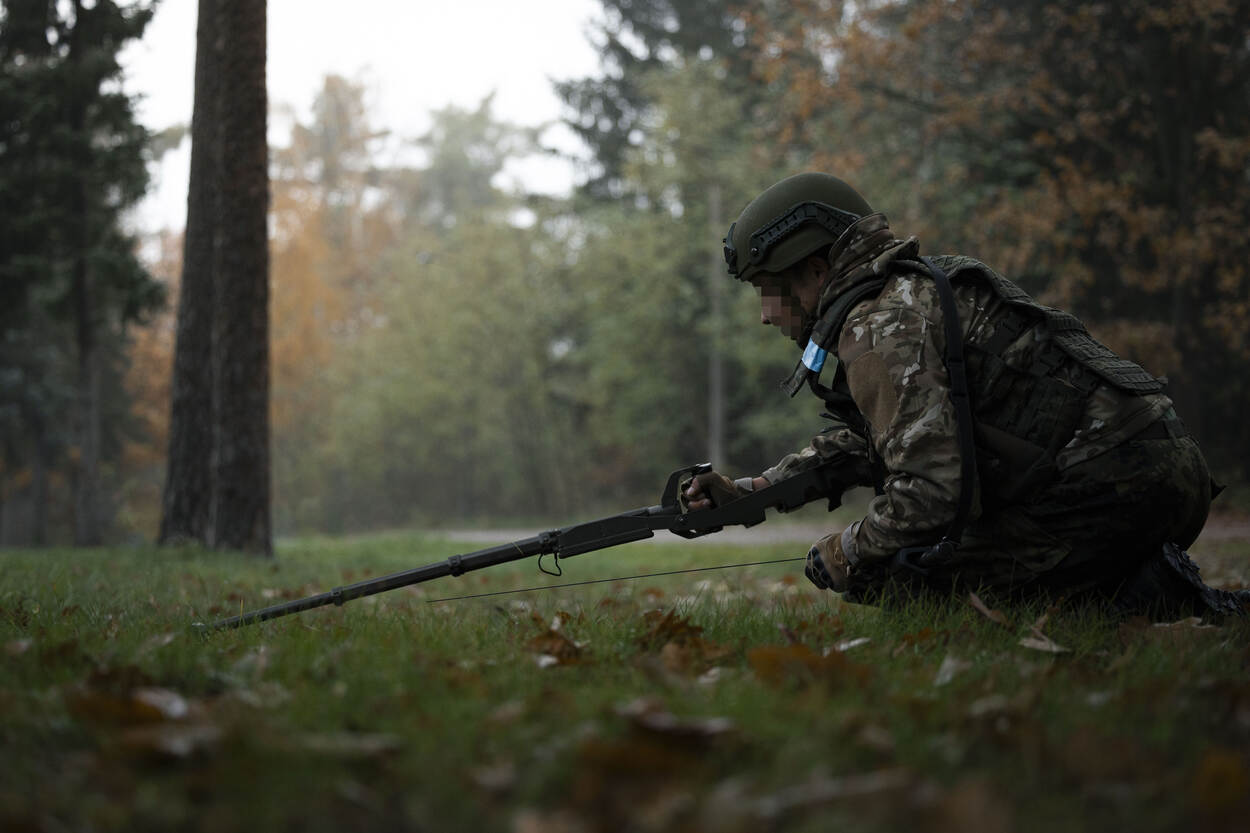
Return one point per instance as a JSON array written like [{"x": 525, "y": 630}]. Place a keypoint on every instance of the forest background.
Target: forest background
[{"x": 445, "y": 350}]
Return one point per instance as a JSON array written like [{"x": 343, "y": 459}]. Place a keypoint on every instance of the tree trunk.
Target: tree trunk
[
  {"x": 241, "y": 508},
  {"x": 87, "y": 475},
  {"x": 188, "y": 476},
  {"x": 716, "y": 353}
]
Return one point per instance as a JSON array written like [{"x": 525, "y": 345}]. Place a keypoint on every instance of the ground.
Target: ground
[{"x": 733, "y": 700}]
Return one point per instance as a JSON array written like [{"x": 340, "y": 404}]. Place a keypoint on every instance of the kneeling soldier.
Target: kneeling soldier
[{"x": 1009, "y": 449}]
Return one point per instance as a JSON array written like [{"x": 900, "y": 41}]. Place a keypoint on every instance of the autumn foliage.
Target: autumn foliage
[{"x": 1095, "y": 152}]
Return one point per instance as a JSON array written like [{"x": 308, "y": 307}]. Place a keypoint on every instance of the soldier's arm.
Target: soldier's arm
[
  {"x": 897, "y": 378},
  {"x": 837, "y": 439}
]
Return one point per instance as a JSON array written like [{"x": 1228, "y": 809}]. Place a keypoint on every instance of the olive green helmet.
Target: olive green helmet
[{"x": 789, "y": 221}]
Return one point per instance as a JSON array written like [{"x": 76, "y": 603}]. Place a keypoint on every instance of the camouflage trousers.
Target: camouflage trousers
[{"x": 1092, "y": 527}]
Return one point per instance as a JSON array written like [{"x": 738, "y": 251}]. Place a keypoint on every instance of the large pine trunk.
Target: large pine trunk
[
  {"x": 188, "y": 479},
  {"x": 241, "y": 509}
]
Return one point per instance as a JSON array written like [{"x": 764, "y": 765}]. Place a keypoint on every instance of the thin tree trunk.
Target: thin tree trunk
[
  {"x": 40, "y": 494},
  {"x": 716, "y": 354},
  {"x": 188, "y": 476},
  {"x": 241, "y": 509},
  {"x": 86, "y": 492}
]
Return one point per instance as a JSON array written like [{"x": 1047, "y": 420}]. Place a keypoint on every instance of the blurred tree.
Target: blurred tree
[
  {"x": 332, "y": 224},
  {"x": 1098, "y": 153},
  {"x": 636, "y": 38},
  {"x": 71, "y": 164},
  {"x": 226, "y": 308},
  {"x": 188, "y": 491},
  {"x": 241, "y": 505}
]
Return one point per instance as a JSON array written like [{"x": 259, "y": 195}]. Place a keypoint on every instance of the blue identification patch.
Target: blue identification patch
[{"x": 814, "y": 357}]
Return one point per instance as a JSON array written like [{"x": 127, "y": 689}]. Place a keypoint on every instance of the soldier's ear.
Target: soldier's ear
[{"x": 818, "y": 268}]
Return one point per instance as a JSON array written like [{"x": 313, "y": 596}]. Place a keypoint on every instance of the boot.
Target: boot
[{"x": 1168, "y": 586}]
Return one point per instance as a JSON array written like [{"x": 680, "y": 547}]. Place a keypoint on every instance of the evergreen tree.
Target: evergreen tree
[{"x": 72, "y": 161}]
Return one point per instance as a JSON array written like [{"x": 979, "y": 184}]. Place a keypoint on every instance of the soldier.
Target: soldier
[{"x": 1009, "y": 449}]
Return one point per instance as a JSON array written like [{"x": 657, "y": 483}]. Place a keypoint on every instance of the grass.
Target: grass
[{"x": 721, "y": 701}]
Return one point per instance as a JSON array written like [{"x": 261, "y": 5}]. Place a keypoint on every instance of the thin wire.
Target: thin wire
[{"x": 602, "y": 580}]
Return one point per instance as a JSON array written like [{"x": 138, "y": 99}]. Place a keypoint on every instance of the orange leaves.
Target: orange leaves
[
  {"x": 682, "y": 648},
  {"x": 796, "y": 664}
]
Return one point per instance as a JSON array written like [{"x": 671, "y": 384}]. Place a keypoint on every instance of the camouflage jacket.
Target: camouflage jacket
[{"x": 891, "y": 349}]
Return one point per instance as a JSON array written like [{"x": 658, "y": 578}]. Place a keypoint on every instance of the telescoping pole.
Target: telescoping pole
[{"x": 453, "y": 566}]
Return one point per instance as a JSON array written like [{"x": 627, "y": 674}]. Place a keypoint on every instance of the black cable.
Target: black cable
[{"x": 602, "y": 580}]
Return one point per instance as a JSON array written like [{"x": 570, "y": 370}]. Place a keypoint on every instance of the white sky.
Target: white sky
[{"x": 414, "y": 56}]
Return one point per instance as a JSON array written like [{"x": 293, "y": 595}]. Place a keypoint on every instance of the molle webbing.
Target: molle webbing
[{"x": 1066, "y": 331}]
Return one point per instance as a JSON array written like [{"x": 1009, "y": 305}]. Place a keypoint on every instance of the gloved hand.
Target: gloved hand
[
  {"x": 709, "y": 489},
  {"x": 827, "y": 567}
]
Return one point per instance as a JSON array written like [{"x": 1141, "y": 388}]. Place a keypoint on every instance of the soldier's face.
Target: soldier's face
[{"x": 780, "y": 309}]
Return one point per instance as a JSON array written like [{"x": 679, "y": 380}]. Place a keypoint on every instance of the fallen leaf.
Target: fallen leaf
[
  {"x": 560, "y": 821},
  {"x": 996, "y": 616},
  {"x": 136, "y": 707},
  {"x": 509, "y": 712},
  {"x": 169, "y": 740},
  {"x": 554, "y": 648},
  {"x": 912, "y": 640},
  {"x": 821, "y": 790},
  {"x": 974, "y": 804},
  {"x": 989, "y": 706},
  {"x": 351, "y": 744},
  {"x": 1221, "y": 783},
  {"x": 494, "y": 778},
  {"x": 876, "y": 738},
  {"x": 779, "y": 665},
  {"x": 151, "y": 644},
  {"x": 951, "y": 665},
  {"x": 17, "y": 647},
  {"x": 847, "y": 644},
  {"x": 169, "y": 704},
  {"x": 650, "y": 715},
  {"x": 1041, "y": 642}
]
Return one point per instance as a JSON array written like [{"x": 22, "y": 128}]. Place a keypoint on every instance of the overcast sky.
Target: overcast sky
[{"x": 414, "y": 56}]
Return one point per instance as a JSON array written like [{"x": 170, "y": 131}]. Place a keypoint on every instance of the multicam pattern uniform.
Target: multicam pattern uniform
[{"x": 1095, "y": 506}]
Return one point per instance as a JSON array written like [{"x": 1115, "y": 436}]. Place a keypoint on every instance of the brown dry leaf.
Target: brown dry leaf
[
  {"x": 974, "y": 804},
  {"x": 351, "y": 744},
  {"x": 169, "y": 740},
  {"x": 17, "y": 647},
  {"x": 560, "y": 821},
  {"x": 951, "y": 665},
  {"x": 683, "y": 650},
  {"x": 778, "y": 665},
  {"x": 494, "y": 778},
  {"x": 996, "y": 616},
  {"x": 821, "y": 790},
  {"x": 151, "y": 644},
  {"x": 911, "y": 640},
  {"x": 168, "y": 703},
  {"x": 1221, "y": 784},
  {"x": 1092, "y": 755},
  {"x": 505, "y": 713},
  {"x": 649, "y": 715},
  {"x": 1041, "y": 642},
  {"x": 136, "y": 707},
  {"x": 666, "y": 626},
  {"x": 554, "y": 648}
]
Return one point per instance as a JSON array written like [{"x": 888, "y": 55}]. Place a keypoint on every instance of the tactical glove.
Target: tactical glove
[
  {"x": 712, "y": 486},
  {"x": 827, "y": 567}
]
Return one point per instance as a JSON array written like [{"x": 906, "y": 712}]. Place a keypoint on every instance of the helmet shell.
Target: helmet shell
[{"x": 789, "y": 221}]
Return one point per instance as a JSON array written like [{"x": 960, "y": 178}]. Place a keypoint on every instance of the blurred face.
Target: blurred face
[
  {"x": 779, "y": 307},
  {"x": 787, "y": 297}
]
